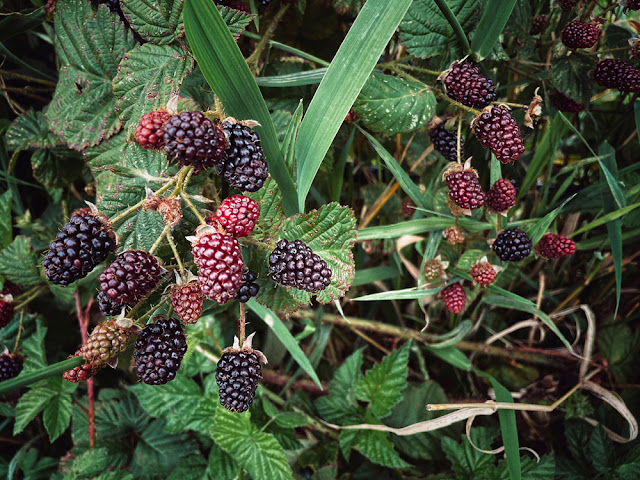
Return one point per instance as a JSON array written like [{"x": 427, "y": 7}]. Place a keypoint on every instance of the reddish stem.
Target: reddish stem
[{"x": 83, "y": 322}]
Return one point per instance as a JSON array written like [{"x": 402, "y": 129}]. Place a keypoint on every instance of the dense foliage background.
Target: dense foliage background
[{"x": 378, "y": 346}]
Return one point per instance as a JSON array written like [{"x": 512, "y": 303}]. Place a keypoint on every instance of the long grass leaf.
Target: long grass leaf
[
  {"x": 340, "y": 86},
  {"x": 228, "y": 74},
  {"x": 494, "y": 18}
]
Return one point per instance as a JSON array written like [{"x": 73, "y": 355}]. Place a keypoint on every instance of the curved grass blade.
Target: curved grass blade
[
  {"x": 283, "y": 334},
  {"x": 405, "y": 294},
  {"x": 340, "y": 86},
  {"x": 539, "y": 229},
  {"x": 494, "y": 18},
  {"x": 227, "y": 73},
  {"x": 312, "y": 77}
]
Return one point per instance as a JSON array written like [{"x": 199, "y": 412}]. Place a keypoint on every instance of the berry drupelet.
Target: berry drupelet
[
  {"x": 555, "y": 246},
  {"x": 248, "y": 288},
  {"x": 617, "y": 73},
  {"x": 82, "y": 244},
  {"x": 10, "y": 366},
  {"x": 244, "y": 166},
  {"x": 483, "y": 273},
  {"x": 498, "y": 131},
  {"x": 565, "y": 104},
  {"x": 295, "y": 265}
]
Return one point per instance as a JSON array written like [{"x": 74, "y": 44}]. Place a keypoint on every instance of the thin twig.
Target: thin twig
[{"x": 241, "y": 323}]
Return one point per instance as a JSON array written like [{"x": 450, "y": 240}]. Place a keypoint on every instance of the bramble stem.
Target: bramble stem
[
  {"x": 193, "y": 208},
  {"x": 135, "y": 207},
  {"x": 241, "y": 321},
  {"x": 166, "y": 231},
  {"x": 176, "y": 255},
  {"x": 33, "y": 294},
  {"x": 15, "y": 347},
  {"x": 46, "y": 372}
]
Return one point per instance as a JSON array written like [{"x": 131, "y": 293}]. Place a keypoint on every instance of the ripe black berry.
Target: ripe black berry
[
  {"x": 159, "y": 350},
  {"x": 193, "y": 140},
  {"x": 244, "y": 166},
  {"x": 248, "y": 288},
  {"x": 498, "y": 131},
  {"x": 539, "y": 24},
  {"x": 465, "y": 84},
  {"x": 132, "y": 275},
  {"x": 295, "y": 265},
  {"x": 238, "y": 374},
  {"x": 10, "y": 366},
  {"x": 617, "y": 73},
  {"x": 512, "y": 245},
  {"x": 82, "y": 244},
  {"x": 107, "y": 306},
  {"x": 446, "y": 142}
]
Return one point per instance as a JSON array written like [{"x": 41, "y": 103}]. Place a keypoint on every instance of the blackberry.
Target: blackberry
[
  {"x": 107, "y": 306},
  {"x": 483, "y": 273},
  {"x": 10, "y": 366},
  {"x": 105, "y": 343},
  {"x": 248, "y": 288},
  {"x": 464, "y": 188},
  {"x": 465, "y": 83},
  {"x": 295, "y": 265},
  {"x": 566, "y": 5},
  {"x": 633, "y": 4},
  {"x": 150, "y": 131},
  {"x": 187, "y": 301},
  {"x": 159, "y": 350},
  {"x": 498, "y": 131},
  {"x": 81, "y": 373},
  {"x": 220, "y": 264},
  {"x": 7, "y": 302},
  {"x": 446, "y": 143},
  {"x": 539, "y": 24},
  {"x": 617, "y": 73},
  {"x": 238, "y": 215},
  {"x": 82, "y": 244},
  {"x": 244, "y": 166},
  {"x": 578, "y": 34},
  {"x": 565, "y": 103},
  {"x": 237, "y": 374},
  {"x": 501, "y": 196},
  {"x": 555, "y": 246},
  {"x": 454, "y": 297},
  {"x": 512, "y": 245},
  {"x": 193, "y": 140},
  {"x": 132, "y": 275}
]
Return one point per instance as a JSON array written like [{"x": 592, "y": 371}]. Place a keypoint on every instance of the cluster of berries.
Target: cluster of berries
[
  {"x": 466, "y": 193},
  {"x": 618, "y": 74},
  {"x": 192, "y": 139}
]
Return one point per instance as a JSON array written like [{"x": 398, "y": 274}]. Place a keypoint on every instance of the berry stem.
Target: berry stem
[
  {"x": 83, "y": 322},
  {"x": 254, "y": 58},
  {"x": 176, "y": 255},
  {"x": 29, "y": 296},
  {"x": 193, "y": 208},
  {"x": 443, "y": 96},
  {"x": 165, "y": 232},
  {"x": 459, "y": 139},
  {"x": 241, "y": 322},
  {"x": 15, "y": 346},
  {"x": 141, "y": 321},
  {"x": 138, "y": 205}
]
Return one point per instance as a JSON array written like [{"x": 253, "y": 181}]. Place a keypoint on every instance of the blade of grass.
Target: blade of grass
[
  {"x": 337, "y": 177},
  {"x": 311, "y": 77},
  {"x": 609, "y": 217},
  {"x": 405, "y": 294},
  {"x": 539, "y": 229},
  {"x": 228, "y": 74},
  {"x": 283, "y": 334},
  {"x": 636, "y": 111},
  {"x": 418, "y": 226},
  {"x": 494, "y": 18},
  {"x": 455, "y": 25},
  {"x": 289, "y": 141},
  {"x": 349, "y": 70},
  {"x": 37, "y": 375}
]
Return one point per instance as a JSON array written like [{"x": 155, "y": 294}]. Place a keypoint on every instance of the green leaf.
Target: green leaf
[
  {"x": 89, "y": 464},
  {"x": 283, "y": 334},
  {"x": 56, "y": 171},
  {"x": 180, "y": 402},
  {"x": 374, "y": 445},
  {"x": 157, "y": 21},
  {"x": 394, "y": 105},
  {"x": 570, "y": 75},
  {"x": 495, "y": 16},
  {"x": 271, "y": 215},
  {"x": 229, "y": 76},
  {"x": 90, "y": 46},
  {"x": 340, "y": 405},
  {"x": 221, "y": 466},
  {"x": 147, "y": 78},
  {"x": 469, "y": 258},
  {"x": 601, "y": 449},
  {"x": 57, "y": 412},
  {"x": 426, "y": 32},
  {"x": 540, "y": 228},
  {"x": 6, "y": 229},
  {"x": 257, "y": 452},
  {"x": 452, "y": 356},
  {"x": 34, "y": 349},
  {"x": 340, "y": 86},
  {"x": 191, "y": 468},
  {"x": 418, "y": 226},
  {"x": 31, "y": 130},
  {"x": 19, "y": 263},
  {"x": 508, "y": 302},
  {"x": 30, "y": 405},
  {"x": 405, "y": 294},
  {"x": 466, "y": 461},
  {"x": 383, "y": 383}
]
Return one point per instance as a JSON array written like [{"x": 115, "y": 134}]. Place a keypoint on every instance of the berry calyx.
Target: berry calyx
[
  {"x": 578, "y": 34},
  {"x": 464, "y": 187},
  {"x": 220, "y": 263},
  {"x": 512, "y": 245},
  {"x": 464, "y": 83},
  {"x": 84, "y": 242},
  {"x": 454, "y": 297},
  {"x": 498, "y": 131},
  {"x": 244, "y": 167},
  {"x": 238, "y": 215},
  {"x": 132, "y": 275},
  {"x": 555, "y": 246},
  {"x": 501, "y": 196},
  {"x": 294, "y": 264},
  {"x": 187, "y": 301},
  {"x": 453, "y": 235},
  {"x": 193, "y": 140},
  {"x": 483, "y": 273},
  {"x": 159, "y": 350},
  {"x": 150, "y": 131}
]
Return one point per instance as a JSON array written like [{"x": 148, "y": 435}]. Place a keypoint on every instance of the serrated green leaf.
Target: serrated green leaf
[
  {"x": 147, "y": 78},
  {"x": 180, "y": 402},
  {"x": 394, "y": 105},
  {"x": 291, "y": 419},
  {"x": 466, "y": 461},
  {"x": 31, "y": 130},
  {"x": 570, "y": 75},
  {"x": 6, "y": 229},
  {"x": 383, "y": 383},
  {"x": 271, "y": 215},
  {"x": 57, "y": 414},
  {"x": 340, "y": 86},
  {"x": 19, "y": 263},
  {"x": 56, "y": 171},
  {"x": 157, "y": 21},
  {"x": 426, "y": 32},
  {"x": 374, "y": 445},
  {"x": 191, "y": 468},
  {"x": 340, "y": 406},
  {"x": 89, "y": 464},
  {"x": 257, "y": 452},
  {"x": 90, "y": 45},
  {"x": 30, "y": 405},
  {"x": 469, "y": 258},
  {"x": 221, "y": 466}
]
